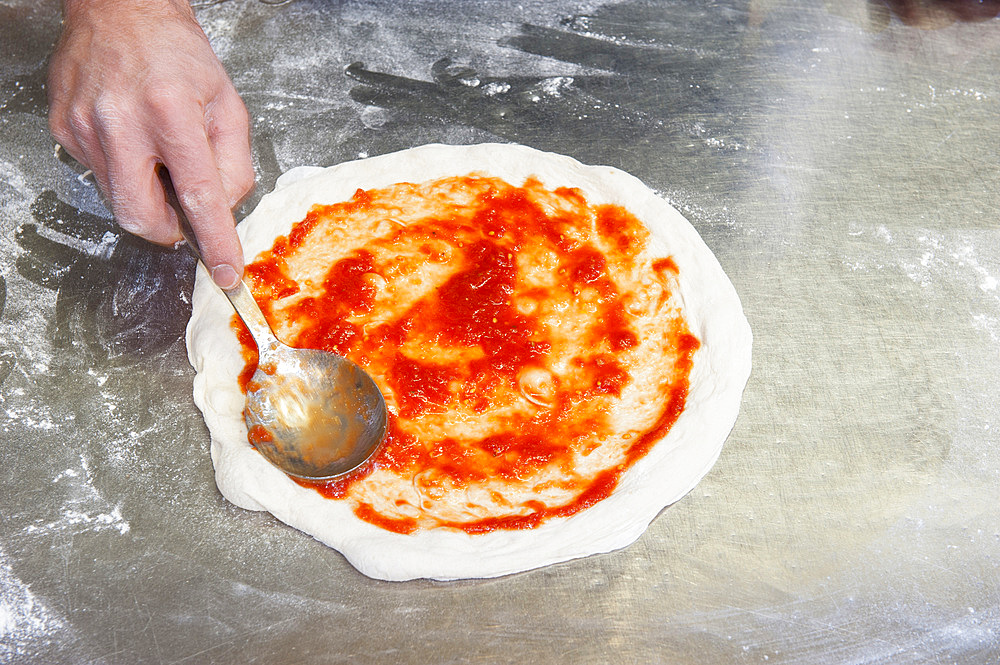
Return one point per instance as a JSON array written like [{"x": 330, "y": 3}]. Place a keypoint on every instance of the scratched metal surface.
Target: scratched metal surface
[{"x": 841, "y": 161}]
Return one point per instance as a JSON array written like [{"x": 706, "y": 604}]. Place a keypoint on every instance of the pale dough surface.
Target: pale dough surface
[{"x": 671, "y": 469}]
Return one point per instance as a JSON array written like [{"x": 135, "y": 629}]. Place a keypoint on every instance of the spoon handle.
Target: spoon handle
[{"x": 240, "y": 297}]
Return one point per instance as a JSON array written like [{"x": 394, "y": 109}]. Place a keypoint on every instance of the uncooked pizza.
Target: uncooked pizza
[{"x": 560, "y": 353}]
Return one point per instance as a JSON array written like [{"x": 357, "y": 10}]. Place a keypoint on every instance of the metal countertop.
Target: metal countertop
[{"x": 840, "y": 158}]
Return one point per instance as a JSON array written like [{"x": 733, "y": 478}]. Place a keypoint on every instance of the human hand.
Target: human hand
[{"x": 135, "y": 84}]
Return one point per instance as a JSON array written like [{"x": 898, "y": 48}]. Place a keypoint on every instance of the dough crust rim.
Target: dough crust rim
[{"x": 669, "y": 471}]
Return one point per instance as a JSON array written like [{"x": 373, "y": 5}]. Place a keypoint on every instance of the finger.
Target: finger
[
  {"x": 86, "y": 148},
  {"x": 130, "y": 182},
  {"x": 95, "y": 160},
  {"x": 191, "y": 162},
  {"x": 229, "y": 134},
  {"x": 64, "y": 136},
  {"x": 64, "y": 118},
  {"x": 138, "y": 201},
  {"x": 73, "y": 127}
]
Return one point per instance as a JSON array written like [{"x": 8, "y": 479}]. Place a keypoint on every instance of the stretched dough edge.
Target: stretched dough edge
[{"x": 671, "y": 469}]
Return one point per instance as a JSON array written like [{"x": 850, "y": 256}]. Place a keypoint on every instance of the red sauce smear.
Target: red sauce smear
[{"x": 475, "y": 310}]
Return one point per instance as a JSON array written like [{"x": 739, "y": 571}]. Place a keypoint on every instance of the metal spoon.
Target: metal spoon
[{"x": 313, "y": 414}]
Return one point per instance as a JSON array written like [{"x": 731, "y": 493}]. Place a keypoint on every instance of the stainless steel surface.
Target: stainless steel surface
[
  {"x": 311, "y": 413},
  {"x": 842, "y": 164}
]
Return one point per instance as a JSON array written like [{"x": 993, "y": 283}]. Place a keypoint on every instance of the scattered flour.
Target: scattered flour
[
  {"x": 13, "y": 176},
  {"x": 24, "y": 620},
  {"x": 101, "y": 379},
  {"x": 84, "y": 510},
  {"x": 554, "y": 85},
  {"x": 928, "y": 257},
  {"x": 30, "y": 417},
  {"x": 729, "y": 143},
  {"x": 940, "y": 256},
  {"x": 494, "y": 89},
  {"x": 933, "y": 260},
  {"x": 971, "y": 93},
  {"x": 102, "y": 249},
  {"x": 989, "y": 325},
  {"x": 721, "y": 216}
]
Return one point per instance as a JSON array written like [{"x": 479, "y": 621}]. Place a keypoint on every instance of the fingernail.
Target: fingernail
[{"x": 225, "y": 276}]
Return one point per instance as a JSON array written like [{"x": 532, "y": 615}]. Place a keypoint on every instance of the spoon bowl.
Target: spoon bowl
[{"x": 313, "y": 414}]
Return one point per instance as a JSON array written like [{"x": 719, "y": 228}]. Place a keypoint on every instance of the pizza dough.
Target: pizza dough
[{"x": 674, "y": 465}]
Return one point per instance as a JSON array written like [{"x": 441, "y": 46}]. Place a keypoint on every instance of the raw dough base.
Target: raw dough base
[{"x": 670, "y": 470}]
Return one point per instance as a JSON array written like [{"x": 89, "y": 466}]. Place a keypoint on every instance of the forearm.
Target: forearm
[{"x": 74, "y": 8}]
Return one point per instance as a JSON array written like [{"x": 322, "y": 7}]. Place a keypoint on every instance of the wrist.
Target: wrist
[{"x": 75, "y": 8}]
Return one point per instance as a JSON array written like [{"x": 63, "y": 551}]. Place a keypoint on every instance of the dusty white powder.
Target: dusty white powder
[
  {"x": 935, "y": 260},
  {"x": 929, "y": 258},
  {"x": 28, "y": 411},
  {"x": 554, "y": 85},
  {"x": 494, "y": 89},
  {"x": 942, "y": 256},
  {"x": 84, "y": 510},
  {"x": 14, "y": 177},
  {"x": 24, "y": 619}
]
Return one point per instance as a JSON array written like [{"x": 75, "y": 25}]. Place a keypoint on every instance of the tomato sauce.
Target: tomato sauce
[{"x": 493, "y": 326}]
